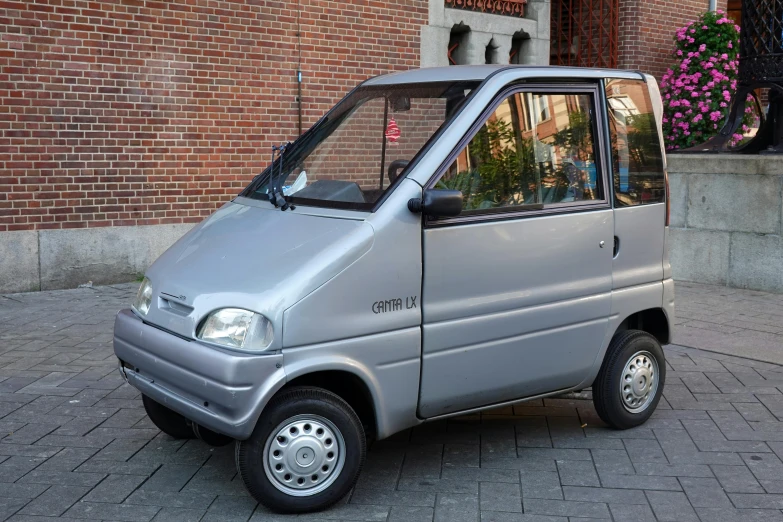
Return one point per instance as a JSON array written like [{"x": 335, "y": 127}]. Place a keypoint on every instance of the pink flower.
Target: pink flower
[
  {"x": 731, "y": 46},
  {"x": 697, "y": 118},
  {"x": 715, "y": 115},
  {"x": 702, "y": 48}
]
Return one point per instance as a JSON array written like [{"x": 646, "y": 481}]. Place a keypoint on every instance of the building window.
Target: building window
[{"x": 457, "y": 52}]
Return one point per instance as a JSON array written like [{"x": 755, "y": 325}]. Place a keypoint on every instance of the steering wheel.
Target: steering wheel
[{"x": 395, "y": 166}]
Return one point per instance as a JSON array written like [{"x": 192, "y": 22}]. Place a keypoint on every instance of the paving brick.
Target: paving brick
[
  {"x": 481, "y": 475},
  {"x": 613, "y": 461},
  {"x": 410, "y": 514},
  {"x": 673, "y": 470},
  {"x": 764, "y": 466},
  {"x": 640, "y": 482},
  {"x": 14, "y": 468},
  {"x": 566, "y": 508},
  {"x": 755, "y": 501},
  {"x": 22, "y": 491},
  {"x": 115, "y": 488},
  {"x": 55, "y": 501},
  {"x": 118, "y": 468},
  {"x": 723, "y": 514},
  {"x": 705, "y": 492},
  {"x": 577, "y": 473},
  {"x": 393, "y": 498},
  {"x": 737, "y": 479},
  {"x": 423, "y": 461},
  {"x": 149, "y": 497},
  {"x": 554, "y": 453},
  {"x": 500, "y": 496},
  {"x": 461, "y": 455},
  {"x": 167, "y": 514},
  {"x": 9, "y": 506},
  {"x": 171, "y": 477},
  {"x": 605, "y": 495},
  {"x": 62, "y": 478},
  {"x": 541, "y": 484},
  {"x": 438, "y": 485},
  {"x": 499, "y": 516},
  {"x": 118, "y": 512},
  {"x": 631, "y": 513},
  {"x": 451, "y": 507},
  {"x": 670, "y": 506},
  {"x": 230, "y": 509},
  {"x": 524, "y": 464}
]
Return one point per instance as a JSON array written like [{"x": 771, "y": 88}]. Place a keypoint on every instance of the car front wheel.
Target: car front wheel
[
  {"x": 630, "y": 382},
  {"x": 305, "y": 453}
]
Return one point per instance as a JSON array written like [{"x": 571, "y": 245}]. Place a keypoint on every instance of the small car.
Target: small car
[{"x": 441, "y": 242}]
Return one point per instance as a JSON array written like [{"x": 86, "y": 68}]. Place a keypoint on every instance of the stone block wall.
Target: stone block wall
[{"x": 726, "y": 219}]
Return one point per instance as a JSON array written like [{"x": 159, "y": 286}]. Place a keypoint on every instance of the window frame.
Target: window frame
[{"x": 594, "y": 90}]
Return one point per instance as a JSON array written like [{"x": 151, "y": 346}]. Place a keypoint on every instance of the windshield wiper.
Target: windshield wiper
[{"x": 276, "y": 195}]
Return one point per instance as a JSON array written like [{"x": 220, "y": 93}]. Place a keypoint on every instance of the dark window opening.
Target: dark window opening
[{"x": 457, "y": 51}]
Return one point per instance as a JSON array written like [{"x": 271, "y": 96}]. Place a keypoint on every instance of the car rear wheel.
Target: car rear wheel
[
  {"x": 168, "y": 421},
  {"x": 305, "y": 453},
  {"x": 630, "y": 382}
]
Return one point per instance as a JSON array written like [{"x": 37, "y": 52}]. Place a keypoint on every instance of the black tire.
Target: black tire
[
  {"x": 299, "y": 404},
  {"x": 610, "y": 404},
  {"x": 168, "y": 421}
]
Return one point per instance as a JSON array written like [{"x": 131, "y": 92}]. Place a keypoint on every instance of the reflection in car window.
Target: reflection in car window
[
  {"x": 535, "y": 149},
  {"x": 636, "y": 147}
]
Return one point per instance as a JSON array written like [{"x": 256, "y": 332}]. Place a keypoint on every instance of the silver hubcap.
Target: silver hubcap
[
  {"x": 304, "y": 455},
  {"x": 639, "y": 382}
]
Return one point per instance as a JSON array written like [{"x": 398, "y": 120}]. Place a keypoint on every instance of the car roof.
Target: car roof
[{"x": 481, "y": 72}]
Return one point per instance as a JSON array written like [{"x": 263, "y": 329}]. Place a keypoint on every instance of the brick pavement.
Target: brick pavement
[
  {"x": 77, "y": 445},
  {"x": 730, "y": 321}
]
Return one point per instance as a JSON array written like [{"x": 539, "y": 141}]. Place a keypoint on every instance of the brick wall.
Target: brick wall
[
  {"x": 147, "y": 112},
  {"x": 647, "y": 30}
]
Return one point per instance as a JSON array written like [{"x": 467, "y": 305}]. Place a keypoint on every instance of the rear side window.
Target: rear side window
[{"x": 636, "y": 147}]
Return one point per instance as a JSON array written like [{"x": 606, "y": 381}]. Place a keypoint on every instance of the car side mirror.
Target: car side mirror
[{"x": 438, "y": 203}]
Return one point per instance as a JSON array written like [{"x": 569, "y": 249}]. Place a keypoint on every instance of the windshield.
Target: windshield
[{"x": 355, "y": 153}]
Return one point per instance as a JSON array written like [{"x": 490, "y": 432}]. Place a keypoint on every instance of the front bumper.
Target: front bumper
[{"x": 220, "y": 390}]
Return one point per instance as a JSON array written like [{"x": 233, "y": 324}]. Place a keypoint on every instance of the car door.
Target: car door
[{"x": 516, "y": 291}]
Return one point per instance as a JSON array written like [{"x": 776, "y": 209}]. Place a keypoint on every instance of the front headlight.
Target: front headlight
[
  {"x": 143, "y": 297},
  {"x": 238, "y": 329}
]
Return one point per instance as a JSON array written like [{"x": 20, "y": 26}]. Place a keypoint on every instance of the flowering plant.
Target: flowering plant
[{"x": 697, "y": 92}]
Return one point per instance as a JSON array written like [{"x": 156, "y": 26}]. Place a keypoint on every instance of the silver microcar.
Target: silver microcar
[{"x": 440, "y": 242}]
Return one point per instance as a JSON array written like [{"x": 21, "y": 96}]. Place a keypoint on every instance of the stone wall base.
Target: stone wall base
[
  {"x": 56, "y": 259},
  {"x": 726, "y": 220}
]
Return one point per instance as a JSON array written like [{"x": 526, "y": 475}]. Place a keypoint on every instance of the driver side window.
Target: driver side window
[{"x": 534, "y": 149}]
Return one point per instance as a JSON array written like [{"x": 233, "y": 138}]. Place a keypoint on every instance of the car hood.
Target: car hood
[{"x": 259, "y": 259}]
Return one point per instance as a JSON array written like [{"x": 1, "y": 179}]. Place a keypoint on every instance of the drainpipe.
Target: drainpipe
[{"x": 713, "y": 5}]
